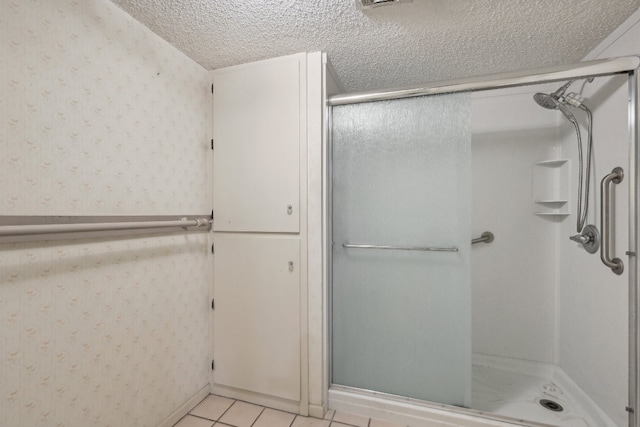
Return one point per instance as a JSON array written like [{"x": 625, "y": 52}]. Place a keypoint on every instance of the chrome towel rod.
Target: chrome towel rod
[
  {"x": 401, "y": 248},
  {"x": 486, "y": 237},
  {"x": 64, "y": 225}
]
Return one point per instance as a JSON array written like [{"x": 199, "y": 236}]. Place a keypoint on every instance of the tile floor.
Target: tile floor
[{"x": 224, "y": 412}]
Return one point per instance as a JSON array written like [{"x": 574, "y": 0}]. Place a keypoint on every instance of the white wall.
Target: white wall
[
  {"x": 512, "y": 277},
  {"x": 593, "y": 328},
  {"x": 100, "y": 117}
]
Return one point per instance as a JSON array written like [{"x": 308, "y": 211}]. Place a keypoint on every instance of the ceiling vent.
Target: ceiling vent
[{"x": 368, "y": 4}]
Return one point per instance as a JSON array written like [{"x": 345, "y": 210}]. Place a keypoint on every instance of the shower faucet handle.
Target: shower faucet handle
[
  {"x": 589, "y": 238},
  {"x": 582, "y": 239}
]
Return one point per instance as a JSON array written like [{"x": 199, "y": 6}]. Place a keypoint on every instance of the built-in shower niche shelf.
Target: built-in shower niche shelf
[{"x": 551, "y": 187}]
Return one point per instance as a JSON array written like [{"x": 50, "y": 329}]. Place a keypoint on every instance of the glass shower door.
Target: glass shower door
[{"x": 401, "y": 316}]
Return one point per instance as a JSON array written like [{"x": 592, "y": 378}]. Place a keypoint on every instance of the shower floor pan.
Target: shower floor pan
[{"x": 520, "y": 389}]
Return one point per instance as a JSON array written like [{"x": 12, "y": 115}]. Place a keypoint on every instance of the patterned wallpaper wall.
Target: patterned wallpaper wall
[{"x": 99, "y": 116}]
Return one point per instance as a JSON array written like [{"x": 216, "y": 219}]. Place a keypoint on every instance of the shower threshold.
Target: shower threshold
[{"x": 505, "y": 393}]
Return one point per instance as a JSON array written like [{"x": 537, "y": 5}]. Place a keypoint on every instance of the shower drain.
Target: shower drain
[{"x": 551, "y": 405}]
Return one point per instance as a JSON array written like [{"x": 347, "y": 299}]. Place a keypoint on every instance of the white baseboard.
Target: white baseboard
[
  {"x": 257, "y": 398},
  {"x": 317, "y": 411},
  {"x": 185, "y": 408}
]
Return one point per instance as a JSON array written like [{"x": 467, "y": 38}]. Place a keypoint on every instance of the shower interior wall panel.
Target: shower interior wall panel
[
  {"x": 593, "y": 319},
  {"x": 513, "y": 278},
  {"x": 593, "y": 329}
]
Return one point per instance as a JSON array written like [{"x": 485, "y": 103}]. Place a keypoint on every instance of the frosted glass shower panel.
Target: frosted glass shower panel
[{"x": 401, "y": 177}]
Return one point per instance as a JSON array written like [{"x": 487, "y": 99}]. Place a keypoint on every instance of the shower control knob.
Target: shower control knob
[
  {"x": 589, "y": 239},
  {"x": 580, "y": 239}
]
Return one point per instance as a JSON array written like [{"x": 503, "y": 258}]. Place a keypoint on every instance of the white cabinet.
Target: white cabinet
[
  {"x": 259, "y": 123},
  {"x": 257, "y": 316},
  {"x": 268, "y": 135}
]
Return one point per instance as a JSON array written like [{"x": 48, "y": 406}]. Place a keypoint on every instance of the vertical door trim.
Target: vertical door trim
[{"x": 634, "y": 208}]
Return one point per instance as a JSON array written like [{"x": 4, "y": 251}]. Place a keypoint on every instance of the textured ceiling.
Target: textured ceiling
[{"x": 403, "y": 44}]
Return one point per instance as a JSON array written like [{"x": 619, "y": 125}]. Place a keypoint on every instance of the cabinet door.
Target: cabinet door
[
  {"x": 257, "y": 313},
  {"x": 257, "y": 131}
]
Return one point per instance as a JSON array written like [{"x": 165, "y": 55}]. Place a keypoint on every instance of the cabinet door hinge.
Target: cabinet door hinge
[
  {"x": 213, "y": 365},
  {"x": 212, "y": 144},
  {"x": 213, "y": 248},
  {"x": 212, "y": 88},
  {"x": 213, "y": 304}
]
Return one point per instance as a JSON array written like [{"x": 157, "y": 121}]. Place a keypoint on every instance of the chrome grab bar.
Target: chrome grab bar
[
  {"x": 486, "y": 237},
  {"x": 401, "y": 248},
  {"x": 614, "y": 177},
  {"x": 113, "y": 225}
]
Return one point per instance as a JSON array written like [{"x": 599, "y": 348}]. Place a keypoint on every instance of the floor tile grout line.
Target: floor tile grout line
[
  {"x": 292, "y": 421},
  {"x": 226, "y": 410},
  {"x": 198, "y": 416},
  {"x": 261, "y": 412},
  {"x": 349, "y": 425}
]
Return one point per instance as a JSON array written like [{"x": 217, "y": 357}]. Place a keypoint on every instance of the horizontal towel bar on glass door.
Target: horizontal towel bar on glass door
[
  {"x": 401, "y": 248},
  {"x": 486, "y": 237}
]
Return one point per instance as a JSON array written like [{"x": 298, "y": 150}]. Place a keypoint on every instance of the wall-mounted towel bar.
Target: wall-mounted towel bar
[{"x": 14, "y": 228}]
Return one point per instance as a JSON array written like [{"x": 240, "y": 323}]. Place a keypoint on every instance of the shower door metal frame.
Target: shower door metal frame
[
  {"x": 634, "y": 209},
  {"x": 598, "y": 68}
]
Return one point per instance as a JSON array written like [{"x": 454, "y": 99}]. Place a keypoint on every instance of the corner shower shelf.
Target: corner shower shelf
[{"x": 551, "y": 187}]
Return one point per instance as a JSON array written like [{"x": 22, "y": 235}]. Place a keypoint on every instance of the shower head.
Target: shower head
[
  {"x": 555, "y": 101},
  {"x": 546, "y": 100},
  {"x": 551, "y": 100}
]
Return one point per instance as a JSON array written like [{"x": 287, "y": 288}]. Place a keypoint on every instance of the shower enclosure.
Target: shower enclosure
[{"x": 425, "y": 324}]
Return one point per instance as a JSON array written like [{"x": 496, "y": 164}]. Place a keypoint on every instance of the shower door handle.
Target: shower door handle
[{"x": 615, "y": 177}]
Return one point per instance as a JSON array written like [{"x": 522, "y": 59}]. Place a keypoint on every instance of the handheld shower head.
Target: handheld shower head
[
  {"x": 551, "y": 101},
  {"x": 546, "y": 100}
]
